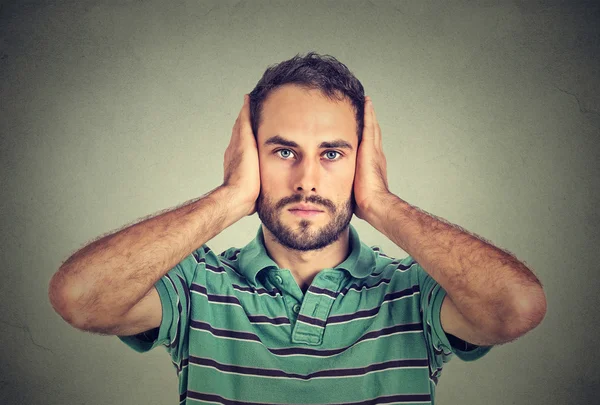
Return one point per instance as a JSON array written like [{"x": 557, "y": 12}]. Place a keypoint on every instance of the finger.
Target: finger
[
  {"x": 245, "y": 116},
  {"x": 376, "y": 128},
  {"x": 236, "y": 132},
  {"x": 368, "y": 120}
]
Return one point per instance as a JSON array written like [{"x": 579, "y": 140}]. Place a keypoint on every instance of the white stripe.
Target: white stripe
[
  {"x": 366, "y": 287},
  {"x": 255, "y": 292},
  {"x": 322, "y": 294}
]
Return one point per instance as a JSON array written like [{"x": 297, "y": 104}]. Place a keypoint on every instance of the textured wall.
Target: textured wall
[{"x": 113, "y": 110}]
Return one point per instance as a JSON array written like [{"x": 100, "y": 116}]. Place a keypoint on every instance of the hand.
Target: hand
[
  {"x": 370, "y": 177},
  {"x": 241, "y": 169}
]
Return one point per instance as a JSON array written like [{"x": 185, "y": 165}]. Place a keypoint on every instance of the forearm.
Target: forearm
[
  {"x": 488, "y": 285},
  {"x": 109, "y": 276}
]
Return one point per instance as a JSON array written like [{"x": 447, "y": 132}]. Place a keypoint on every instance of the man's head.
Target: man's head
[
  {"x": 307, "y": 117},
  {"x": 313, "y": 71}
]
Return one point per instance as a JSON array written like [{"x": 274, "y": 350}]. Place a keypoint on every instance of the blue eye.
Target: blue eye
[
  {"x": 284, "y": 153},
  {"x": 332, "y": 155}
]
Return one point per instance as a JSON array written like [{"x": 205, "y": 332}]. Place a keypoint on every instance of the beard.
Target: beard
[{"x": 305, "y": 236}]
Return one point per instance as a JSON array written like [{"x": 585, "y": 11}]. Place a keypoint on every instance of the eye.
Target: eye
[
  {"x": 284, "y": 153},
  {"x": 332, "y": 155}
]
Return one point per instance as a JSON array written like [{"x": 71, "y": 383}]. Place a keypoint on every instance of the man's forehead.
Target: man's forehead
[{"x": 305, "y": 117}]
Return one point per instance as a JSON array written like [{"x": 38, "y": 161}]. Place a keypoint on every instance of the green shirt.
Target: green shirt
[{"x": 239, "y": 330}]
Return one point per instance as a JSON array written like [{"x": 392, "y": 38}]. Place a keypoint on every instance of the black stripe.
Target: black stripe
[
  {"x": 435, "y": 374},
  {"x": 236, "y": 271},
  {"x": 199, "y": 288},
  {"x": 221, "y": 298},
  {"x": 196, "y": 256},
  {"x": 363, "y": 286},
  {"x": 402, "y": 293},
  {"x": 412, "y": 327},
  {"x": 215, "y": 298},
  {"x": 317, "y": 290},
  {"x": 235, "y": 255},
  {"x": 217, "y": 269},
  {"x": 202, "y": 396},
  {"x": 357, "y": 315},
  {"x": 340, "y": 372},
  {"x": 186, "y": 291},
  {"x": 290, "y": 351},
  {"x": 224, "y": 332},
  {"x": 373, "y": 311},
  {"x": 388, "y": 399},
  {"x": 394, "y": 263},
  {"x": 312, "y": 321},
  {"x": 274, "y": 321},
  {"x": 233, "y": 300}
]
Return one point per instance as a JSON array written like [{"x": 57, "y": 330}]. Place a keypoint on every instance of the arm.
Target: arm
[
  {"x": 97, "y": 287},
  {"x": 491, "y": 298}
]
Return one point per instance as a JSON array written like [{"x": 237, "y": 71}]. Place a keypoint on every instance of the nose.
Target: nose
[{"x": 307, "y": 176}]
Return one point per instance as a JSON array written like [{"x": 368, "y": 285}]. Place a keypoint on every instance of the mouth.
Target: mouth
[{"x": 305, "y": 213}]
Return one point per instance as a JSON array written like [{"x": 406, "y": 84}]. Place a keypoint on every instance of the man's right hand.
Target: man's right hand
[{"x": 241, "y": 168}]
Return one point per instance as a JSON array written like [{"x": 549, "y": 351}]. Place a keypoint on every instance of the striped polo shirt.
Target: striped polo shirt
[{"x": 239, "y": 330}]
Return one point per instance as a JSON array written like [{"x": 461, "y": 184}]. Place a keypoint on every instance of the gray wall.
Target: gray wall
[{"x": 114, "y": 110}]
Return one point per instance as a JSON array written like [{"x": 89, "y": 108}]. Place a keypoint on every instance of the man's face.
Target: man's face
[{"x": 307, "y": 154}]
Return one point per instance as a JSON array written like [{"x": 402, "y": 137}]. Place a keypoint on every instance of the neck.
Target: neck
[{"x": 304, "y": 265}]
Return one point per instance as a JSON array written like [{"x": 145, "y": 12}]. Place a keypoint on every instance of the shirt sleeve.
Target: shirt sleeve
[
  {"x": 174, "y": 292},
  {"x": 441, "y": 346}
]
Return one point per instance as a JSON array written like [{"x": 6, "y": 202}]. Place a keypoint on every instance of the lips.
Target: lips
[
  {"x": 305, "y": 213},
  {"x": 305, "y": 207},
  {"x": 305, "y": 210}
]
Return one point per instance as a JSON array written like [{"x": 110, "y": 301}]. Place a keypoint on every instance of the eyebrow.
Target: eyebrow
[{"x": 279, "y": 140}]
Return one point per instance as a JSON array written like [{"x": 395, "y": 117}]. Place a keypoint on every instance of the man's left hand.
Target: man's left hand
[{"x": 370, "y": 178}]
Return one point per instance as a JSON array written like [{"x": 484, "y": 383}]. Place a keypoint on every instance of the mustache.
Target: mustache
[{"x": 313, "y": 199}]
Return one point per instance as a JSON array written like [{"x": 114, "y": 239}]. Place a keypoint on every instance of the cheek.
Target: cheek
[
  {"x": 342, "y": 178},
  {"x": 271, "y": 175}
]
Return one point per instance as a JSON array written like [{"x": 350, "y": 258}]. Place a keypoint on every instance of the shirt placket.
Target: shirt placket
[{"x": 314, "y": 311}]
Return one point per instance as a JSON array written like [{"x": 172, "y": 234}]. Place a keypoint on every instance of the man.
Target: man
[{"x": 306, "y": 312}]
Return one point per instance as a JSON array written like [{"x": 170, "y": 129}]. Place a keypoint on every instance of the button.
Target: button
[
  {"x": 296, "y": 308},
  {"x": 278, "y": 279}
]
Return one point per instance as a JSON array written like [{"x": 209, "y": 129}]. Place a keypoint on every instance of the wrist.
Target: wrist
[
  {"x": 380, "y": 213},
  {"x": 232, "y": 202}
]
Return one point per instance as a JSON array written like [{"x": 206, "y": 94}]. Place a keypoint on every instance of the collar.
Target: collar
[{"x": 253, "y": 258}]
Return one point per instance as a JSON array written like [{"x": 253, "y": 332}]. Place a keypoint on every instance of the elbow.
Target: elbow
[
  {"x": 73, "y": 302},
  {"x": 529, "y": 314},
  {"x": 58, "y": 298},
  {"x": 63, "y": 298}
]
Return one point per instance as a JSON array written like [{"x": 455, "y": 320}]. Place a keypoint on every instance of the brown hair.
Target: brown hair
[{"x": 313, "y": 71}]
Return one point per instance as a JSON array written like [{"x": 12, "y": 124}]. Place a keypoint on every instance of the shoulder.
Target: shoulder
[
  {"x": 230, "y": 254},
  {"x": 389, "y": 265},
  {"x": 204, "y": 254},
  {"x": 394, "y": 273}
]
